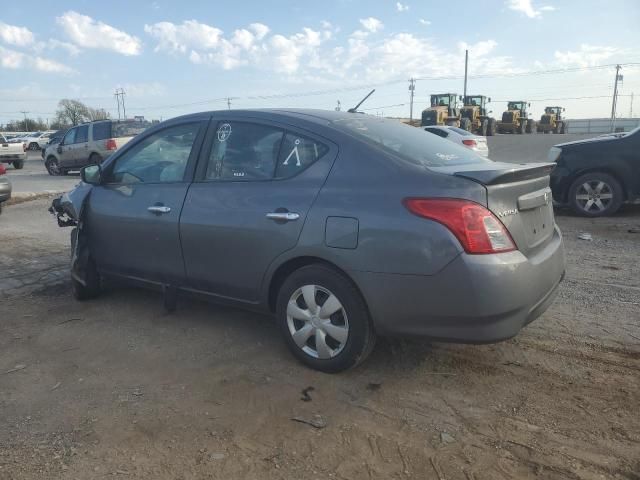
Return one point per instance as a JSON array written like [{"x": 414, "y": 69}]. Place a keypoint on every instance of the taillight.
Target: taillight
[
  {"x": 470, "y": 143},
  {"x": 110, "y": 144},
  {"x": 476, "y": 228}
]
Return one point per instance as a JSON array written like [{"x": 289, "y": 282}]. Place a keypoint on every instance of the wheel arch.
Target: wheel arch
[{"x": 291, "y": 265}]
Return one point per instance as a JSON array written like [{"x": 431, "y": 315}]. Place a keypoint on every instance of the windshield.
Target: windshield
[
  {"x": 515, "y": 105},
  {"x": 408, "y": 143},
  {"x": 439, "y": 100},
  {"x": 474, "y": 101}
]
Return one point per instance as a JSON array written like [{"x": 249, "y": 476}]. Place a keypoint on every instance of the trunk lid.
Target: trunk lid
[{"x": 519, "y": 195}]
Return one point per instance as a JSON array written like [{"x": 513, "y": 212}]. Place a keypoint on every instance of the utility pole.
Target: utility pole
[
  {"x": 229, "y": 103},
  {"x": 412, "y": 88},
  {"x": 466, "y": 66},
  {"x": 119, "y": 94},
  {"x": 338, "y": 106},
  {"x": 26, "y": 124},
  {"x": 615, "y": 98},
  {"x": 631, "y": 107}
]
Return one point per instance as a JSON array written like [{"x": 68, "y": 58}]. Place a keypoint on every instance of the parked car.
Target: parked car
[
  {"x": 477, "y": 143},
  {"x": 54, "y": 139},
  {"x": 344, "y": 226},
  {"x": 36, "y": 140},
  {"x": 5, "y": 186},
  {"x": 89, "y": 143},
  {"x": 594, "y": 177},
  {"x": 14, "y": 153}
]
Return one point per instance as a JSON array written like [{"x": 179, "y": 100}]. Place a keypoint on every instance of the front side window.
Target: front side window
[
  {"x": 70, "y": 137},
  {"x": 159, "y": 158},
  {"x": 297, "y": 153},
  {"x": 243, "y": 152},
  {"x": 82, "y": 134}
]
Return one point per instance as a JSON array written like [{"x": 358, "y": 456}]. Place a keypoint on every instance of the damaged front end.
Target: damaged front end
[{"x": 68, "y": 210}]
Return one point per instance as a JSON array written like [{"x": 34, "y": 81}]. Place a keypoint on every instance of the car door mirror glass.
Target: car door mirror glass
[{"x": 91, "y": 174}]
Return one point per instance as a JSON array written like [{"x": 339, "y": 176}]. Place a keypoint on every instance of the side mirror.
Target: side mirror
[
  {"x": 59, "y": 149},
  {"x": 489, "y": 100},
  {"x": 91, "y": 174}
]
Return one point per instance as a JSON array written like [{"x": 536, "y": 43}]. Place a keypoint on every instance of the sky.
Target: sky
[{"x": 173, "y": 58}]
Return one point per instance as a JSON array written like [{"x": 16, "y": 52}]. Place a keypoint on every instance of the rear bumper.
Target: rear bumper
[
  {"x": 474, "y": 299},
  {"x": 12, "y": 157}
]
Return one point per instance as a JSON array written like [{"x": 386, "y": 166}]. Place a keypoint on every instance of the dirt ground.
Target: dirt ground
[{"x": 116, "y": 388}]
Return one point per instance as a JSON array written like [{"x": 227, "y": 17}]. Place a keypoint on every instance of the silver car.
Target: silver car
[
  {"x": 477, "y": 143},
  {"x": 342, "y": 225}
]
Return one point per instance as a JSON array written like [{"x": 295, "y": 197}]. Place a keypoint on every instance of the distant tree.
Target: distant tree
[
  {"x": 97, "y": 114},
  {"x": 71, "y": 112}
]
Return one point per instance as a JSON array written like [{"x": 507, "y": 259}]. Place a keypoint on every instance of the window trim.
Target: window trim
[
  {"x": 201, "y": 169},
  {"x": 194, "y": 155}
]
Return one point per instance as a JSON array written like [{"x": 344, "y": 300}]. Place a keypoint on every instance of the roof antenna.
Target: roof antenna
[{"x": 355, "y": 109}]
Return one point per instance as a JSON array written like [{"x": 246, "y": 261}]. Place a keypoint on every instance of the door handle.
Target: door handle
[
  {"x": 159, "y": 209},
  {"x": 283, "y": 216}
]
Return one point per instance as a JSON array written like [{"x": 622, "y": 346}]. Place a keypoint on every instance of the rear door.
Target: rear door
[
  {"x": 133, "y": 216},
  {"x": 255, "y": 184},
  {"x": 80, "y": 148}
]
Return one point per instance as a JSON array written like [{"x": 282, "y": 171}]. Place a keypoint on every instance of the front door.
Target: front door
[
  {"x": 66, "y": 149},
  {"x": 80, "y": 147},
  {"x": 133, "y": 216},
  {"x": 255, "y": 186}
]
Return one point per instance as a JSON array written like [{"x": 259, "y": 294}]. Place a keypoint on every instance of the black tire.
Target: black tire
[
  {"x": 34, "y": 146},
  {"x": 484, "y": 127},
  {"x": 95, "y": 159},
  {"x": 52, "y": 166},
  {"x": 492, "y": 127},
  {"x": 465, "y": 124},
  {"x": 585, "y": 203},
  {"x": 531, "y": 126},
  {"x": 18, "y": 164},
  {"x": 92, "y": 288},
  {"x": 522, "y": 127},
  {"x": 563, "y": 128},
  {"x": 353, "y": 314}
]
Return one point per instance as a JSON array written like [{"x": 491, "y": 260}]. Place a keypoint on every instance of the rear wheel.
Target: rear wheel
[
  {"x": 18, "y": 164},
  {"x": 95, "y": 159},
  {"x": 324, "y": 319},
  {"x": 52, "y": 166},
  {"x": 34, "y": 146},
  {"x": 484, "y": 128},
  {"x": 595, "y": 194}
]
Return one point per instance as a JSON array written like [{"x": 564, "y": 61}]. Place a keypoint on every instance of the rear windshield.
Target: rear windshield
[
  {"x": 409, "y": 143},
  {"x": 129, "y": 129},
  {"x": 461, "y": 131}
]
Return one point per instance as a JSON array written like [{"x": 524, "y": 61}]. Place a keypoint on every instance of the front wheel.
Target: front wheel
[
  {"x": 52, "y": 166},
  {"x": 324, "y": 319},
  {"x": 595, "y": 194},
  {"x": 18, "y": 164},
  {"x": 34, "y": 146}
]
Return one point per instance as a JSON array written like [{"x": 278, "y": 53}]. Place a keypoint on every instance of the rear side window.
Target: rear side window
[
  {"x": 407, "y": 143},
  {"x": 101, "y": 130},
  {"x": 244, "y": 152},
  {"x": 82, "y": 135},
  {"x": 297, "y": 153}
]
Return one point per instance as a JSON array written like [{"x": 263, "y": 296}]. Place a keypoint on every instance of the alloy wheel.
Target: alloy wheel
[
  {"x": 317, "y": 322},
  {"x": 594, "y": 196}
]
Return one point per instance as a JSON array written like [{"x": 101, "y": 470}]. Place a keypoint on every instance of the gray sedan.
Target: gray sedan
[{"x": 344, "y": 226}]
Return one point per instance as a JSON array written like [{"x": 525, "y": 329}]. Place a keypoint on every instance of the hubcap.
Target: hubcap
[
  {"x": 594, "y": 196},
  {"x": 53, "y": 166},
  {"x": 317, "y": 322}
]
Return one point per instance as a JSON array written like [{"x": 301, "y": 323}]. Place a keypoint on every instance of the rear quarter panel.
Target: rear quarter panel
[{"x": 369, "y": 186}]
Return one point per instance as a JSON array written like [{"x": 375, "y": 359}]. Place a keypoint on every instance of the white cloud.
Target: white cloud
[
  {"x": 18, "y": 36},
  {"x": 326, "y": 25},
  {"x": 71, "y": 49},
  {"x": 526, "y": 7},
  {"x": 371, "y": 24},
  {"x": 86, "y": 32},
  {"x": 15, "y": 60},
  {"x": 180, "y": 38},
  {"x": 260, "y": 30},
  {"x": 479, "y": 49},
  {"x": 401, "y": 8},
  {"x": 586, "y": 56},
  {"x": 424, "y": 22}
]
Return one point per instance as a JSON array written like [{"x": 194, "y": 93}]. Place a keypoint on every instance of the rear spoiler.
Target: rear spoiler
[{"x": 508, "y": 173}]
